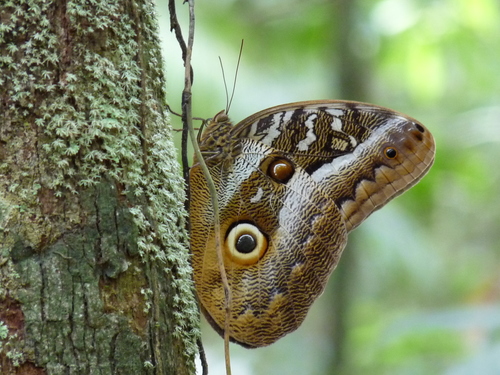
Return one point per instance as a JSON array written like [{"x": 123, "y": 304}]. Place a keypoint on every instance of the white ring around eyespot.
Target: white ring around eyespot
[{"x": 249, "y": 258}]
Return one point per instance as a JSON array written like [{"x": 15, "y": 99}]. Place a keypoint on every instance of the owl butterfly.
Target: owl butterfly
[{"x": 292, "y": 181}]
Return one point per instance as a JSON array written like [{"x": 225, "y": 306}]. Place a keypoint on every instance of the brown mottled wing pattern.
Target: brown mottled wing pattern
[{"x": 292, "y": 181}]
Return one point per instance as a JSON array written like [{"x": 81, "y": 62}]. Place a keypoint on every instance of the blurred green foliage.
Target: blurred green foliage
[{"x": 424, "y": 283}]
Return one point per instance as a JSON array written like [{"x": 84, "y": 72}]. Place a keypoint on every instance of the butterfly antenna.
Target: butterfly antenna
[
  {"x": 225, "y": 84},
  {"x": 229, "y": 100},
  {"x": 236, "y": 75}
]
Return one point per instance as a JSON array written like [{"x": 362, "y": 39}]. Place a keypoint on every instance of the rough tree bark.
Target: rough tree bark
[{"x": 94, "y": 269}]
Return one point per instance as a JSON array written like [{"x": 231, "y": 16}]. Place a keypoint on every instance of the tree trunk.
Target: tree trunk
[{"x": 94, "y": 269}]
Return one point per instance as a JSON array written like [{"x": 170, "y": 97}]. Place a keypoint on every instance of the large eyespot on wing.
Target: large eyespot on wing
[
  {"x": 278, "y": 168},
  {"x": 302, "y": 253},
  {"x": 245, "y": 243}
]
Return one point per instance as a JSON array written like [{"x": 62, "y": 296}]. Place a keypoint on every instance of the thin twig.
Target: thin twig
[
  {"x": 187, "y": 120},
  {"x": 175, "y": 26},
  {"x": 215, "y": 205},
  {"x": 186, "y": 117},
  {"x": 210, "y": 183},
  {"x": 203, "y": 357}
]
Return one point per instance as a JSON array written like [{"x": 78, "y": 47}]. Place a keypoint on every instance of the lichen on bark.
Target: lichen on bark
[{"x": 92, "y": 241}]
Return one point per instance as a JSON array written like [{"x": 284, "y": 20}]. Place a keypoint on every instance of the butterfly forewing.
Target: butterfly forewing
[{"x": 342, "y": 146}]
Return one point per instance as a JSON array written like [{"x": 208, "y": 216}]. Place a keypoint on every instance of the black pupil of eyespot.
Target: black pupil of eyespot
[
  {"x": 390, "y": 152},
  {"x": 245, "y": 244}
]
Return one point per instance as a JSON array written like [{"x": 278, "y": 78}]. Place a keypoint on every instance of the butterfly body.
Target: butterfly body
[{"x": 292, "y": 181}]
